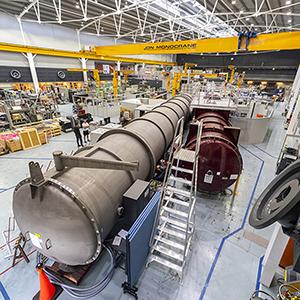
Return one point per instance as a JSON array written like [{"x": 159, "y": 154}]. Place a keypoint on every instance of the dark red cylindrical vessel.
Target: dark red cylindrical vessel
[{"x": 220, "y": 162}]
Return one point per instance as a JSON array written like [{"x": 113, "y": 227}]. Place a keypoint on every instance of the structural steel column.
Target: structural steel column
[
  {"x": 35, "y": 80},
  {"x": 83, "y": 65}
]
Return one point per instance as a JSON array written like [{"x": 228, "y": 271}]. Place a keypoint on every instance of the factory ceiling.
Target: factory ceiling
[{"x": 160, "y": 20}]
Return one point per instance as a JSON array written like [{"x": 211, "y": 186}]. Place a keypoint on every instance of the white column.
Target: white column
[
  {"x": 35, "y": 80},
  {"x": 118, "y": 66},
  {"x": 83, "y": 65},
  {"x": 294, "y": 93}
]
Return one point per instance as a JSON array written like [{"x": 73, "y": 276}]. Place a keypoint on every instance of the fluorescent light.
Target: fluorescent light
[
  {"x": 247, "y": 19},
  {"x": 287, "y": 2},
  {"x": 241, "y": 12},
  {"x": 233, "y": 2},
  {"x": 289, "y": 21},
  {"x": 77, "y": 6},
  {"x": 252, "y": 25}
]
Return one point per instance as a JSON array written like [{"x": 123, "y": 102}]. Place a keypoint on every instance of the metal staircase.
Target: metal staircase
[{"x": 175, "y": 219}]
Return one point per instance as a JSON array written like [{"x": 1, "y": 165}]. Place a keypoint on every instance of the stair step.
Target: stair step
[
  {"x": 183, "y": 170},
  {"x": 175, "y": 212},
  {"x": 185, "y": 155},
  {"x": 177, "y": 201},
  {"x": 172, "y": 232},
  {"x": 181, "y": 225},
  {"x": 169, "y": 242},
  {"x": 181, "y": 180},
  {"x": 166, "y": 263},
  {"x": 168, "y": 252},
  {"x": 178, "y": 191}
]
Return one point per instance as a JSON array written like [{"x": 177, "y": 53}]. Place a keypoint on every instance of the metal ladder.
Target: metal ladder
[{"x": 175, "y": 219}]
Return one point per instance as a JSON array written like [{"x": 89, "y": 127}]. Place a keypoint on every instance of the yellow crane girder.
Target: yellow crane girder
[
  {"x": 80, "y": 54},
  {"x": 262, "y": 42}
]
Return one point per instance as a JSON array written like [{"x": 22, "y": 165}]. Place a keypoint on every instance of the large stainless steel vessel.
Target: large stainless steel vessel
[{"x": 69, "y": 212}]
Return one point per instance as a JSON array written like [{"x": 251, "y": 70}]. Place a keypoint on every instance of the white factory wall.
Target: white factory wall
[
  {"x": 162, "y": 57},
  {"x": 13, "y": 59},
  {"x": 51, "y": 36}
]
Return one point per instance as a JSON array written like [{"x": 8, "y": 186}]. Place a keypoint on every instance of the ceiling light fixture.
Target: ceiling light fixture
[
  {"x": 247, "y": 19},
  {"x": 287, "y": 2},
  {"x": 233, "y": 2},
  {"x": 289, "y": 13},
  {"x": 289, "y": 21},
  {"x": 77, "y": 5}
]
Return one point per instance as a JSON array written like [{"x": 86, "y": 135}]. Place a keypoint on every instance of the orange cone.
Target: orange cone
[{"x": 47, "y": 289}]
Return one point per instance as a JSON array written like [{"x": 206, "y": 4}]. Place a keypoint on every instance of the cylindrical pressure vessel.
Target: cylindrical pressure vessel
[
  {"x": 220, "y": 162},
  {"x": 76, "y": 208}
]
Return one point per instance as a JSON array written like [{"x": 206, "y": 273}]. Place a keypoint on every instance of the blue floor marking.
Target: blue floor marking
[
  {"x": 265, "y": 152},
  {"x": 259, "y": 271},
  {"x": 3, "y": 292},
  {"x": 217, "y": 256},
  {"x": 4, "y": 190}
]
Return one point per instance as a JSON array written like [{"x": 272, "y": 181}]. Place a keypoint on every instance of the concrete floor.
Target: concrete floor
[{"x": 224, "y": 261}]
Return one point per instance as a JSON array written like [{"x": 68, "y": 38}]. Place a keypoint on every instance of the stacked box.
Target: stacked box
[
  {"x": 14, "y": 145},
  {"x": 3, "y": 149}
]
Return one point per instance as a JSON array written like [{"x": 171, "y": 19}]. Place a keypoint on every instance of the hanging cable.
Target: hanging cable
[
  {"x": 262, "y": 292},
  {"x": 88, "y": 292},
  {"x": 283, "y": 297}
]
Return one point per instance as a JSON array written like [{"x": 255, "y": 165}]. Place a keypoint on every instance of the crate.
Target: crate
[
  {"x": 55, "y": 129},
  {"x": 43, "y": 137},
  {"x": 3, "y": 149},
  {"x": 29, "y": 138},
  {"x": 14, "y": 145}
]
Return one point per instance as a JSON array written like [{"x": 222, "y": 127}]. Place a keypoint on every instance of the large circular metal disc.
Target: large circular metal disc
[
  {"x": 279, "y": 200},
  {"x": 64, "y": 231}
]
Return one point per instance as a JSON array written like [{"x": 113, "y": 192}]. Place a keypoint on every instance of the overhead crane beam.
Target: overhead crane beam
[
  {"x": 262, "y": 42},
  {"x": 80, "y": 54}
]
